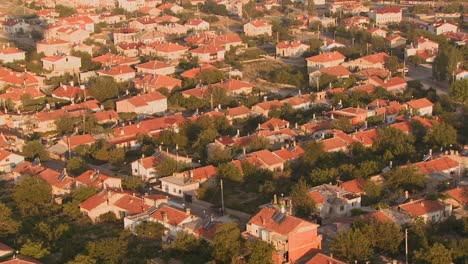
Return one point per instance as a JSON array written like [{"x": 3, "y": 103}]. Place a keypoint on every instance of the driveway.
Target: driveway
[{"x": 423, "y": 73}]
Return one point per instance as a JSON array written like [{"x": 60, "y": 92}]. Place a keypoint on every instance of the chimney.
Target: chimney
[
  {"x": 187, "y": 211},
  {"x": 390, "y": 164},
  {"x": 122, "y": 132},
  {"x": 244, "y": 151},
  {"x": 164, "y": 217},
  {"x": 406, "y": 195},
  {"x": 275, "y": 199},
  {"x": 72, "y": 83},
  {"x": 238, "y": 133},
  {"x": 265, "y": 98}
]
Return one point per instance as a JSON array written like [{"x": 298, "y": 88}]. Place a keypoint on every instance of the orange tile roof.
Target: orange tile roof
[
  {"x": 264, "y": 219},
  {"x": 260, "y": 23},
  {"x": 388, "y": 10},
  {"x": 94, "y": 201},
  {"x": 420, "y": 103},
  {"x": 27, "y": 168},
  {"x": 354, "y": 186},
  {"x": 422, "y": 207},
  {"x": 153, "y": 65},
  {"x": 208, "y": 49},
  {"x": 327, "y": 57},
  {"x": 158, "y": 81},
  {"x": 174, "y": 216},
  {"x": 77, "y": 140},
  {"x": 338, "y": 71},
  {"x": 167, "y": 47},
  {"x": 274, "y": 123},
  {"x": 106, "y": 115},
  {"x": 145, "y": 99},
  {"x": 202, "y": 173},
  {"x": 376, "y": 58},
  {"x": 132, "y": 204},
  {"x": 11, "y": 50},
  {"x": 232, "y": 85},
  {"x": 92, "y": 178},
  {"x": 86, "y": 105},
  {"x": 238, "y": 111},
  {"x": 192, "y": 73},
  {"x": 269, "y": 104},
  {"x": 266, "y": 157},
  {"x": 332, "y": 144},
  {"x": 436, "y": 165},
  {"x": 117, "y": 70},
  {"x": 67, "y": 91},
  {"x": 289, "y": 44},
  {"x": 15, "y": 94},
  {"x": 460, "y": 194},
  {"x": 52, "y": 178},
  {"x": 112, "y": 59},
  {"x": 289, "y": 153}
]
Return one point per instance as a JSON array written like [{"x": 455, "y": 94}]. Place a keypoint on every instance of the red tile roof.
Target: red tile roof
[
  {"x": 77, "y": 140},
  {"x": 152, "y": 65},
  {"x": 202, "y": 173},
  {"x": 266, "y": 157},
  {"x": 174, "y": 216},
  {"x": 289, "y": 153},
  {"x": 132, "y": 204},
  {"x": 354, "y": 186},
  {"x": 15, "y": 94},
  {"x": 238, "y": 111},
  {"x": 260, "y": 23},
  {"x": 145, "y": 99},
  {"x": 419, "y": 103},
  {"x": 460, "y": 194},
  {"x": 327, "y": 57},
  {"x": 52, "y": 178},
  {"x": 67, "y": 91},
  {"x": 264, "y": 219},
  {"x": 376, "y": 58},
  {"x": 92, "y": 178},
  {"x": 192, "y": 73},
  {"x": 388, "y": 10},
  {"x": 323, "y": 259},
  {"x": 422, "y": 207},
  {"x": 117, "y": 70},
  {"x": 338, "y": 71},
  {"x": 436, "y": 165}
]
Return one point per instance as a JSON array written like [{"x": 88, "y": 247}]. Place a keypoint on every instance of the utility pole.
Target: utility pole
[
  {"x": 222, "y": 196},
  {"x": 406, "y": 245}
]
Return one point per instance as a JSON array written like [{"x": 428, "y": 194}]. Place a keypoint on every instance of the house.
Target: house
[
  {"x": 377, "y": 32},
  {"x": 317, "y": 129},
  {"x": 340, "y": 72},
  {"x": 5, "y": 251},
  {"x": 131, "y": 5},
  {"x": 235, "y": 87},
  {"x": 197, "y": 24},
  {"x": 120, "y": 73},
  {"x": 167, "y": 50},
  {"x": 155, "y": 67},
  {"x": 300, "y": 101},
  {"x": 53, "y": 47},
  {"x": 9, "y": 160},
  {"x": 330, "y": 44},
  {"x": 273, "y": 124},
  {"x": 122, "y": 35},
  {"x": 264, "y": 108},
  {"x": 69, "y": 92},
  {"x": 15, "y": 95},
  {"x": 386, "y": 15},
  {"x": 239, "y": 112},
  {"x": 373, "y": 61},
  {"x": 145, "y": 167},
  {"x": 334, "y": 202},
  {"x": 422, "y": 47},
  {"x": 19, "y": 259},
  {"x": 441, "y": 27},
  {"x": 188, "y": 181},
  {"x": 129, "y": 49},
  {"x": 432, "y": 211},
  {"x": 292, "y": 237},
  {"x": 156, "y": 82},
  {"x": 67, "y": 33},
  {"x": 457, "y": 197},
  {"x": 265, "y": 159},
  {"x": 192, "y": 73},
  {"x": 16, "y": 26},
  {"x": 439, "y": 166},
  {"x": 99, "y": 180},
  {"x": 421, "y": 107},
  {"x": 174, "y": 8},
  {"x": 355, "y": 186},
  {"x": 291, "y": 48},
  {"x": 394, "y": 85},
  {"x": 11, "y": 54},
  {"x": 258, "y": 28},
  {"x": 80, "y": 21},
  {"x": 324, "y": 259},
  {"x": 395, "y": 41},
  {"x": 290, "y": 153},
  {"x": 355, "y": 115},
  {"x": 60, "y": 182},
  {"x": 174, "y": 219},
  {"x": 60, "y": 65},
  {"x": 324, "y": 60},
  {"x": 356, "y": 22},
  {"x": 119, "y": 203},
  {"x": 208, "y": 53},
  {"x": 149, "y": 103},
  {"x": 110, "y": 59}
]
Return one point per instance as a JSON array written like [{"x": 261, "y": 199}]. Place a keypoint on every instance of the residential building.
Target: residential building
[
  {"x": 60, "y": 65},
  {"x": 395, "y": 41},
  {"x": 265, "y": 159},
  {"x": 155, "y": 82},
  {"x": 441, "y": 27},
  {"x": 432, "y": 211},
  {"x": 9, "y": 160},
  {"x": 324, "y": 259},
  {"x": 188, "y": 181},
  {"x": 149, "y": 103},
  {"x": 291, "y": 48},
  {"x": 197, "y": 24},
  {"x": 99, "y": 180},
  {"x": 11, "y": 54},
  {"x": 120, "y": 73},
  {"x": 324, "y": 60},
  {"x": 60, "y": 182},
  {"x": 386, "y": 15},
  {"x": 208, "y": 53},
  {"x": 457, "y": 197},
  {"x": 334, "y": 202},
  {"x": 53, "y": 47},
  {"x": 258, "y": 28},
  {"x": 156, "y": 68},
  {"x": 421, "y": 107},
  {"x": 373, "y": 61},
  {"x": 292, "y": 237}
]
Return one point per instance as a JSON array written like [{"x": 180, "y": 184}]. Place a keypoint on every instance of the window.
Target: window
[
  {"x": 180, "y": 191},
  {"x": 342, "y": 208}
]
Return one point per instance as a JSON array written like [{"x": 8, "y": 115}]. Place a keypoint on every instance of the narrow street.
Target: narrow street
[{"x": 423, "y": 73}]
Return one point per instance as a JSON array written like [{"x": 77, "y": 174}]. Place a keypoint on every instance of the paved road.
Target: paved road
[{"x": 423, "y": 73}]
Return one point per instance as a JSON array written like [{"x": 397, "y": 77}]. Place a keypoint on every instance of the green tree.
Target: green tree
[
  {"x": 86, "y": 63},
  {"x": 108, "y": 250},
  {"x": 406, "y": 178},
  {"x": 304, "y": 204},
  {"x": 392, "y": 64},
  {"x": 458, "y": 90},
  {"x": 445, "y": 63},
  {"x": 342, "y": 124},
  {"x": 76, "y": 166},
  {"x": 133, "y": 183},
  {"x": 103, "y": 88},
  {"x": 65, "y": 11},
  {"x": 394, "y": 145},
  {"x": 217, "y": 155},
  {"x": 117, "y": 156},
  {"x": 310, "y": 7},
  {"x": 34, "y": 149},
  {"x": 320, "y": 176},
  {"x": 230, "y": 171},
  {"x": 34, "y": 249},
  {"x": 437, "y": 254},
  {"x": 190, "y": 249},
  {"x": 210, "y": 76},
  {"x": 226, "y": 243},
  {"x": 260, "y": 252},
  {"x": 441, "y": 135},
  {"x": 33, "y": 196},
  {"x": 8, "y": 225},
  {"x": 386, "y": 237},
  {"x": 150, "y": 230},
  {"x": 168, "y": 166},
  {"x": 65, "y": 125},
  {"x": 82, "y": 259},
  {"x": 351, "y": 246}
]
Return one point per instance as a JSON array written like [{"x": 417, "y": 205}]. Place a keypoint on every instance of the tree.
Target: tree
[
  {"x": 65, "y": 125},
  {"x": 34, "y": 149},
  {"x": 304, "y": 204},
  {"x": 310, "y": 7},
  {"x": 117, "y": 156},
  {"x": 342, "y": 124},
  {"x": 230, "y": 171},
  {"x": 392, "y": 64},
  {"x": 86, "y": 63},
  {"x": 385, "y": 236},
  {"x": 211, "y": 7},
  {"x": 108, "y": 250},
  {"x": 226, "y": 243},
  {"x": 441, "y": 135},
  {"x": 392, "y": 144},
  {"x": 168, "y": 166},
  {"x": 133, "y": 183},
  {"x": 150, "y": 230},
  {"x": 446, "y": 62},
  {"x": 34, "y": 249},
  {"x": 82, "y": 259},
  {"x": 437, "y": 254},
  {"x": 406, "y": 178},
  {"x": 8, "y": 225},
  {"x": 260, "y": 252},
  {"x": 191, "y": 249},
  {"x": 103, "y": 88},
  {"x": 33, "y": 196},
  {"x": 458, "y": 90},
  {"x": 76, "y": 166},
  {"x": 65, "y": 11},
  {"x": 217, "y": 155},
  {"x": 351, "y": 246},
  {"x": 210, "y": 76}
]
